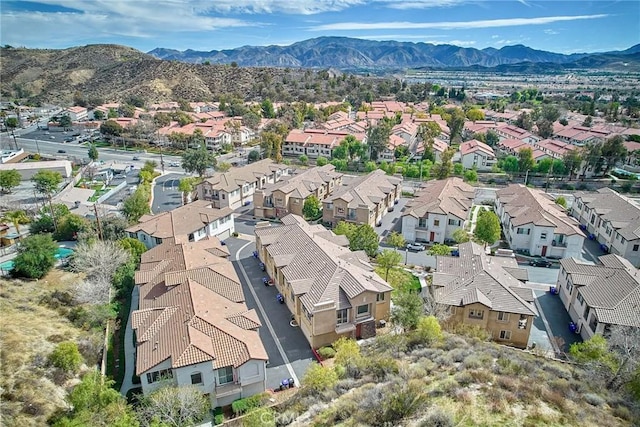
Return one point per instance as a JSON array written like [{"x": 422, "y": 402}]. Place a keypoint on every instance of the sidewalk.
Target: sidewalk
[{"x": 129, "y": 348}]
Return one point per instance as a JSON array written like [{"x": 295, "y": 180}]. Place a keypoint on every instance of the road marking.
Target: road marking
[
  {"x": 552, "y": 339},
  {"x": 292, "y": 374}
]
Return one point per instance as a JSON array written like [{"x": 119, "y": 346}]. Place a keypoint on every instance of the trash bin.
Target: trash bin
[{"x": 552, "y": 290}]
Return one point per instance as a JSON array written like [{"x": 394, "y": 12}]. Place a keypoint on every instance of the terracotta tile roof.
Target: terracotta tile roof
[
  {"x": 611, "y": 289},
  {"x": 476, "y": 277},
  {"x": 236, "y": 177},
  {"x": 192, "y": 309},
  {"x": 303, "y": 182},
  {"x": 365, "y": 190},
  {"x": 620, "y": 211},
  {"x": 181, "y": 221},
  {"x": 317, "y": 268},
  {"x": 530, "y": 206},
  {"x": 513, "y": 144},
  {"x": 473, "y": 146},
  {"x": 450, "y": 196}
]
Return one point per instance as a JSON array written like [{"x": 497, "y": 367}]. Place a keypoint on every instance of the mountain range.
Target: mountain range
[{"x": 351, "y": 53}]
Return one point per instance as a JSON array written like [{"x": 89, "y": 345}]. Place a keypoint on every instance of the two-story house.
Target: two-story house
[
  {"x": 477, "y": 154},
  {"x": 514, "y": 132},
  {"x": 188, "y": 223},
  {"x": 362, "y": 199},
  {"x": 600, "y": 296},
  {"x": 438, "y": 210},
  {"x": 235, "y": 187},
  {"x": 288, "y": 195},
  {"x": 331, "y": 291},
  {"x": 612, "y": 219},
  {"x": 192, "y": 326},
  {"x": 534, "y": 223},
  {"x": 486, "y": 291}
]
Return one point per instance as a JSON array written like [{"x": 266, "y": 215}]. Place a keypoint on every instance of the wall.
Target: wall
[{"x": 148, "y": 388}]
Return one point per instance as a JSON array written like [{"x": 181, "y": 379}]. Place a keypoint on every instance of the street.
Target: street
[{"x": 166, "y": 195}]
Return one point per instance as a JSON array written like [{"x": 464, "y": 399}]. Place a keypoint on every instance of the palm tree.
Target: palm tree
[{"x": 16, "y": 217}]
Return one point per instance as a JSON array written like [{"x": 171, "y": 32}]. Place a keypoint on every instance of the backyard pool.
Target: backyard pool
[{"x": 62, "y": 253}]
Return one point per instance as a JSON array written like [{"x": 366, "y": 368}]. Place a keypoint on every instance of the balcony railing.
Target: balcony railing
[
  {"x": 228, "y": 389},
  {"x": 559, "y": 244}
]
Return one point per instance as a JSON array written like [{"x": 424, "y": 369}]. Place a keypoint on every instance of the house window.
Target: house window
[
  {"x": 503, "y": 317},
  {"x": 593, "y": 324},
  {"x": 580, "y": 299},
  {"x": 422, "y": 223},
  {"x": 593, "y": 218},
  {"x": 196, "y": 378},
  {"x": 340, "y": 211},
  {"x": 454, "y": 222},
  {"x": 342, "y": 316},
  {"x": 543, "y": 236},
  {"x": 505, "y": 335},
  {"x": 163, "y": 374},
  {"x": 380, "y": 297},
  {"x": 225, "y": 375},
  {"x": 362, "y": 310},
  {"x": 223, "y": 196},
  {"x": 158, "y": 240},
  {"x": 476, "y": 314},
  {"x": 436, "y": 222},
  {"x": 586, "y": 313},
  {"x": 524, "y": 231},
  {"x": 635, "y": 248}
]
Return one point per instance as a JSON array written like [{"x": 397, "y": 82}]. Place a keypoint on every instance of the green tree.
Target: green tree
[
  {"x": 16, "y": 217},
  {"x": 319, "y": 378},
  {"x": 134, "y": 246},
  {"x": 93, "y": 152},
  {"x": 345, "y": 229},
  {"x": 572, "y": 160},
  {"x": 395, "y": 240},
  {"x": 471, "y": 175},
  {"x": 36, "y": 256},
  {"x": 69, "y": 226},
  {"x": 65, "y": 122},
  {"x": 458, "y": 169},
  {"x": 524, "y": 121},
  {"x": 560, "y": 200},
  {"x": 461, "y": 235},
  {"x": 198, "y": 160},
  {"x": 492, "y": 138},
  {"x": 272, "y": 145},
  {"x": 174, "y": 406},
  {"x": 487, "y": 227},
  {"x": 303, "y": 159},
  {"x": 312, "y": 208},
  {"x": 509, "y": 164},
  {"x": 442, "y": 170},
  {"x": 111, "y": 127},
  {"x": 613, "y": 151},
  {"x": 558, "y": 168},
  {"x": 429, "y": 330},
  {"x": 9, "y": 179},
  {"x": 11, "y": 122},
  {"x": 137, "y": 204},
  {"x": 98, "y": 115},
  {"x": 525, "y": 160},
  {"x": 475, "y": 114},
  {"x": 223, "y": 167},
  {"x": 378, "y": 138},
  {"x": 253, "y": 156},
  {"x": 544, "y": 165},
  {"x": 455, "y": 122},
  {"x": 268, "y": 111},
  {"x": 406, "y": 310},
  {"x": 439, "y": 249},
  {"x": 46, "y": 181},
  {"x": 321, "y": 161},
  {"x": 364, "y": 239},
  {"x": 66, "y": 356},
  {"x": 388, "y": 259},
  {"x": 187, "y": 186},
  {"x": 251, "y": 120}
]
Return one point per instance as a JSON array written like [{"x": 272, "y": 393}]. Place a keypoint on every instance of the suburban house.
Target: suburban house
[
  {"x": 514, "y": 132},
  {"x": 438, "y": 209},
  {"x": 389, "y": 153},
  {"x": 532, "y": 222},
  {"x": 77, "y": 113},
  {"x": 554, "y": 148},
  {"x": 188, "y": 223},
  {"x": 477, "y": 154},
  {"x": 310, "y": 144},
  {"x": 600, "y": 296},
  {"x": 612, "y": 219},
  {"x": 288, "y": 195},
  {"x": 235, "y": 188},
  {"x": 362, "y": 199},
  {"x": 486, "y": 291},
  {"x": 331, "y": 291},
  {"x": 192, "y": 326},
  {"x": 438, "y": 146}
]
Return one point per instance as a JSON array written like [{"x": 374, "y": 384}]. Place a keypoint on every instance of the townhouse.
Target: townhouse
[
  {"x": 290, "y": 193},
  {"x": 555, "y": 149},
  {"x": 310, "y": 144},
  {"x": 581, "y": 135},
  {"x": 598, "y": 297},
  {"x": 235, "y": 188},
  {"x": 192, "y": 222},
  {"x": 438, "y": 209},
  {"x": 214, "y": 132},
  {"x": 514, "y": 132},
  {"x": 533, "y": 223},
  {"x": 389, "y": 154},
  {"x": 486, "y": 291},
  {"x": 477, "y": 154},
  {"x": 192, "y": 326},
  {"x": 331, "y": 291},
  {"x": 514, "y": 146},
  {"x": 438, "y": 146},
  {"x": 611, "y": 219},
  {"x": 362, "y": 199}
]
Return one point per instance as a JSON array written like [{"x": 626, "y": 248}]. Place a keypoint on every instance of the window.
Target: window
[
  {"x": 436, "y": 222},
  {"x": 503, "y": 317},
  {"x": 635, "y": 248},
  {"x": 422, "y": 223},
  {"x": 225, "y": 375},
  {"x": 196, "y": 378},
  {"x": 342, "y": 316},
  {"x": 476, "y": 314},
  {"x": 158, "y": 240},
  {"x": 580, "y": 299},
  {"x": 163, "y": 374},
  {"x": 340, "y": 211},
  {"x": 524, "y": 231},
  {"x": 543, "y": 236},
  {"x": 380, "y": 297},
  {"x": 362, "y": 310},
  {"x": 454, "y": 222},
  {"x": 593, "y": 218},
  {"x": 505, "y": 335}
]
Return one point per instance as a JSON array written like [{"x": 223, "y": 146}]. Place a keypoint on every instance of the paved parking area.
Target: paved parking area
[
  {"x": 288, "y": 349},
  {"x": 392, "y": 221},
  {"x": 555, "y": 321}
]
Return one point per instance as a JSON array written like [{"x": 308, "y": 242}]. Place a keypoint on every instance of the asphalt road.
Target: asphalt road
[{"x": 166, "y": 195}]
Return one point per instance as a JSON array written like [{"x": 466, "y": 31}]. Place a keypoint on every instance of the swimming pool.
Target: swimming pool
[{"x": 61, "y": 253}]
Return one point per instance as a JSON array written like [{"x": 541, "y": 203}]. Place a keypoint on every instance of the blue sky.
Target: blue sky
[{"x": 558, "y": 26}]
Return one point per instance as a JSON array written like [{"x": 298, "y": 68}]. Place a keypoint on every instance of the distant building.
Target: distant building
[
  {"x": 29, "y": 169},
  {"x": 477, "y": 154}
]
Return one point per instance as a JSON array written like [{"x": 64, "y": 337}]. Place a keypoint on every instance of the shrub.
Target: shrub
[
  {"x": 437, "y": 417},
  {"x": 66, "y": 356},
  {"x": 326, "y": 353},
  {"x": 401, "y": 401},
  {"x": 319, "y": 378},
  {"x": 380, "y": 367},
  {"x": 622, "y": 412},
  {"x": 429, "y": 330},
  {"x": 464, "y": 378},
  {"x": 263, "y": 417},
  {"x": 593, "y": 399}
]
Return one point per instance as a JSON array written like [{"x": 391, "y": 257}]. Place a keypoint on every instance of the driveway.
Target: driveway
[
  {"x": 554, "y": 320},
  {"x": 392, "y": 221},
  {"x": 166, "y": 195},
  {"x": 288, "y": 349},
  {"x": 591, "y": 250}
]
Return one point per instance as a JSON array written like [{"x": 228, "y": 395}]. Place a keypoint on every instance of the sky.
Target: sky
[{"x": 557, "y": 26}]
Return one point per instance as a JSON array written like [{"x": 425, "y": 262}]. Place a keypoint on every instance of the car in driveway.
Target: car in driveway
[
  {"x": 416, "y": 247},
  {"x": 540, "y": 262},
  {"x": 62, "y": 151}
]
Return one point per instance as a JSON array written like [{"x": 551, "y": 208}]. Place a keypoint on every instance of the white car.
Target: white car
[
  {"x": 174, "y": 164},
  {"x": 415, "y": 246}
]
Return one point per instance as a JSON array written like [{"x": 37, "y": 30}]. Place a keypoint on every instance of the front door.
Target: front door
[
  {"x": 432, "y": 236},
  {"x": 544, "y": 251},
  {"x": 358, "y": 330}
]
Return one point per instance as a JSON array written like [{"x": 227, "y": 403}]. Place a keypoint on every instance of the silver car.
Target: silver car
[{"x": 415, "y": 246}]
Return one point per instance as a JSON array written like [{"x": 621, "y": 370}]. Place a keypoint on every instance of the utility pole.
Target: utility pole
[
  {"x": 95, "y": 209},
  {"x": 53, "y": 215},
  {"x": 526, "y": 177}
]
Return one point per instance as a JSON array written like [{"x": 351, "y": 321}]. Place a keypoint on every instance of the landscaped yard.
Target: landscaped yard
[{"x": 400, "y": 279}]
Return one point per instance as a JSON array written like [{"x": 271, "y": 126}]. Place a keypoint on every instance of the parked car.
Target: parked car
[
  {"x": 540, "y": 262},
  {"x": 61, "y": 151},
  {"x": 136, "y": 158},
  {"x": 415, "y": 246},
  {"x": 174, "y": 164}
]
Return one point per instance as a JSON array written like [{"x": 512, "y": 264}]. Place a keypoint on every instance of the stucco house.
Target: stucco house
[{"x": 477, "y": 154}]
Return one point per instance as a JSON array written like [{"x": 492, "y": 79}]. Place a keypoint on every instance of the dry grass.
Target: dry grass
[{"x": 31, "y": 390}]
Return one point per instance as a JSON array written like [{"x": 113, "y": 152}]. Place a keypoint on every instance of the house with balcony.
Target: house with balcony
[
  {"x": 289, "y": 194},
  {"x": 477, "y": 154},
  {"x": 189, "y": 223},
  {"x": 235, "y": 187},
  {"x": 598, "y": 297},
  {"x": 533, "y": 223},
  {"x": 330, "y": 291},
  {"x": 438, "y": 209},
  {"x": 486, "y": 291},
  {"x": 362, "y": 199},
  {"x": 311, "y": 144},
  {"x": 192, "y": 326},
  {"x": 613, "y": 220}
]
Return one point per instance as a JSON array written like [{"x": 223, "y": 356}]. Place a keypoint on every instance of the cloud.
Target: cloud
[
  {"x": 459, "y": 25},
  {"x": 495, "y": 36},
  {"x": 551, "y": 32},
  {"x": 419, "y": 4},
  {"x": 398, "y": 37}
]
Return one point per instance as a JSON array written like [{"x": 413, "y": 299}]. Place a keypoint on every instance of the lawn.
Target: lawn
[{"x": 400, "y": 279}]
